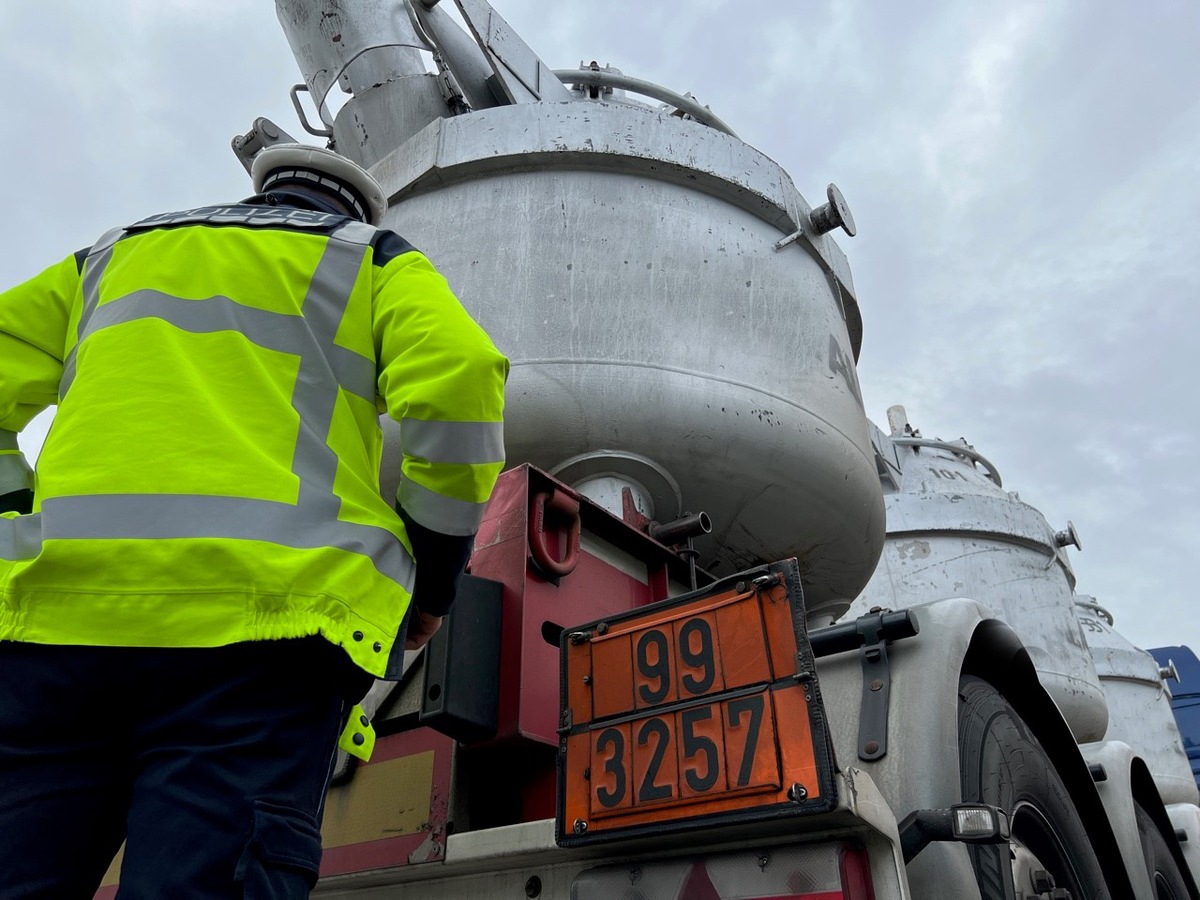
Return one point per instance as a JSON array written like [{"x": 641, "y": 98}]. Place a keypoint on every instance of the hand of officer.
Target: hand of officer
[{"x": 421, "y": 627}]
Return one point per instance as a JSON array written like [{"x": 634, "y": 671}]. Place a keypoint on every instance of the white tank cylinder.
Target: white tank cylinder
[
  {"x": 954, "y": 532},
  {"x": 1139, "y": 705},
  {"x": 626, "y": 261}
]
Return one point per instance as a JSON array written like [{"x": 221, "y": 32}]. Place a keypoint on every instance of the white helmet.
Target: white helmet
[{"x": 324, "y": 169}]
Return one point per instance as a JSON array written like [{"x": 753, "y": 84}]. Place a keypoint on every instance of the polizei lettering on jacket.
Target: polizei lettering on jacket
[{"x": 241, "y": 214}]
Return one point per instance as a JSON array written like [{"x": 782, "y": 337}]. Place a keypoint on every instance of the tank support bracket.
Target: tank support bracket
[
  {"x": 871, "y": 634},
  {"x": 876, "y": 691}
]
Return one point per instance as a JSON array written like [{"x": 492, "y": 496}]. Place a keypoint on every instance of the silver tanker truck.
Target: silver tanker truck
[{"x": 723, "y": 637}]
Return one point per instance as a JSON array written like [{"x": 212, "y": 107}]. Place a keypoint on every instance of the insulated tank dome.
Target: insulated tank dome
[
  {"x": 1136, "y": 687},
  {"x": 628, "y": 263},
  {"x": 953, "y": 531}
]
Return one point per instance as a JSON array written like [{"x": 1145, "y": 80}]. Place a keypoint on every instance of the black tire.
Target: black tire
[
  {"x": 1165, "y": 877},
  {"x": 1002, "y": 764}
]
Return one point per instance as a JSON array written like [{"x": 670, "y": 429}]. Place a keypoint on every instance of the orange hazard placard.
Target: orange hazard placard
[{"x": 693, "y": 711}]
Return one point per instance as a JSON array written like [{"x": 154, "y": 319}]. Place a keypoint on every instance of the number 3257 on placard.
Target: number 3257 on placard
[{"x": 715, "y": 748}]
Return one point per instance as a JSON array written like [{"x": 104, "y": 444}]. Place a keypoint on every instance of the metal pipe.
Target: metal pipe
[
  {"x": 975, "y": 456},
  {"x": 893, "y": 625},
  {"x": 681, "y": 531},
  {"x": 649, "y": 89},
  {"x": 360, "y": 43},
  {"x": 690, "y": 526},
  {"x": 458, "y": 50},
  {"x": 1093, "y": 606}
]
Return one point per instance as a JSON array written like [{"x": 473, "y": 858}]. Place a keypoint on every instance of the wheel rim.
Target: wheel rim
[{"x": 1036, "y": 844}]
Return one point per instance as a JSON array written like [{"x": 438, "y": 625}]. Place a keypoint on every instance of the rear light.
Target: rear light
[{"x": 856, "y": 874}]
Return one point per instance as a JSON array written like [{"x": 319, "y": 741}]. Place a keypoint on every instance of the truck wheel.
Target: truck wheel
[
  {"x": 1002, "y": 764},
  {"x": 1164, "y": 872}
]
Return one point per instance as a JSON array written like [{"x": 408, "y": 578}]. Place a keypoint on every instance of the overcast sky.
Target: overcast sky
[{"x": 1025, "y": 178}]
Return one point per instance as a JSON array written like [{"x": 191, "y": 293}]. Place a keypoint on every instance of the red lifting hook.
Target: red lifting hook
[{"x": 560, "y": 509}]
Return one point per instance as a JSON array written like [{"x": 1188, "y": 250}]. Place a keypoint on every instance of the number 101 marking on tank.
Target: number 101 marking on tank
[{"x": 691, "y": 711}]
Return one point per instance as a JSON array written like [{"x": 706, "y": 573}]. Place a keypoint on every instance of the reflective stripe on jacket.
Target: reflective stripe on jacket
[{"x": 211, "y": 475}]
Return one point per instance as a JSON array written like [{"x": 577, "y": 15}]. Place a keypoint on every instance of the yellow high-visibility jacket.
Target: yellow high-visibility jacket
[{"x": 211, "y": 475}]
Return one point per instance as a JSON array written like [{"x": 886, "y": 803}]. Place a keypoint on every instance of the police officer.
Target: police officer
[{"x": 208, "y": 578}]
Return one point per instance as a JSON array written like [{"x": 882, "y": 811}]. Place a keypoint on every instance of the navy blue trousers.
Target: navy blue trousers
[{"x": 211, "y": 764}]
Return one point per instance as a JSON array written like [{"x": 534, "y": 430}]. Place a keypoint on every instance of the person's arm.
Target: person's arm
[
  {"x": 34, "y": 318},
  {"x": 442, "y": 379},
  {"x": 441, "y": 559}
]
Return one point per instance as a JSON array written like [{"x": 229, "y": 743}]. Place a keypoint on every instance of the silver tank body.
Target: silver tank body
[
  {"x": 953, "y": 532},
  {"x": 624, "y": 260},
  {"x": 1139, "y": 705}
]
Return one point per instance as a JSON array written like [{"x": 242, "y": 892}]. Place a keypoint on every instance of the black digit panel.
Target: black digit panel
[
  {"x": 614, "y": 765},
  {"x": 696, "y": 651},
  {"x": 701, "y": 777},
  {"x": 655, "y": 730},
  {"x": 754, "y": 706},
  {"x": 654, "y": 663}
]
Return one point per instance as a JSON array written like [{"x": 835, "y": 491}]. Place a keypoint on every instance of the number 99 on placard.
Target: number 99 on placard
[{"x": 677, "y": 662}]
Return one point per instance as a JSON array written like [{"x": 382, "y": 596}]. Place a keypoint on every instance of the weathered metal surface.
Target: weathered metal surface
[
  {"x": 590, "y": 135},
  {"x": 519, "y": 74},
  {"x": 1117, "y": 796},
  {"x": 639, "y": 271},
  {"x": 356, "y": 44},
  {"x": 1185, "y": 817},
  {"x": 609, "y": 248},
  {"x": 522, "y": 860},
  {"x": 1139, "y": 706},
  {"x": 537, "y": 608},
  {"x": 1181, "y": 670},
  {"x": 392, "y": 811},
  {"x": 920, "y": 770},
  {"x": 595, "y": 78},
  {"x": 624, "y": 260},
  {"x": 459, "y": 51},
  {"x": 953, "y": 532},
  {"x": 372, "y": 122}
]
